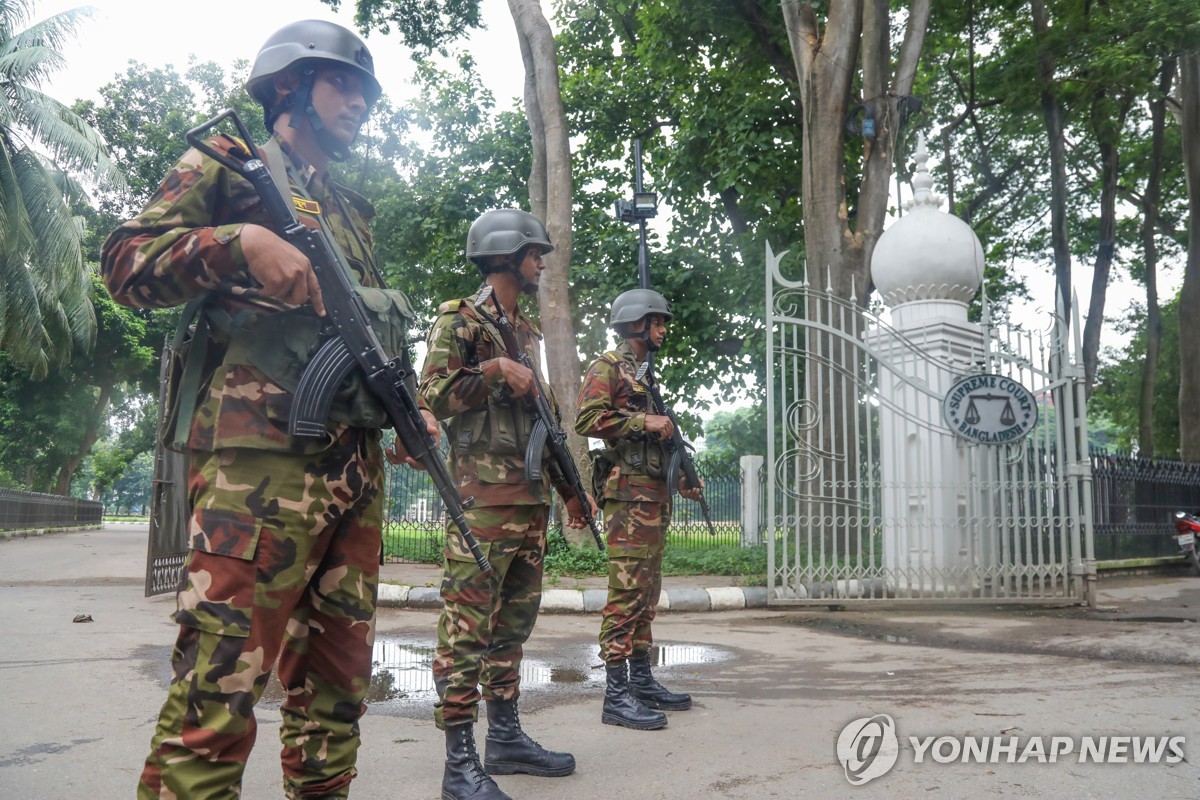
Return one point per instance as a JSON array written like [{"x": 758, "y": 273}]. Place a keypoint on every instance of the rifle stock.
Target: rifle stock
[
  {"x": 547, "y": 434},
  {"x": 355, "y": 345}
]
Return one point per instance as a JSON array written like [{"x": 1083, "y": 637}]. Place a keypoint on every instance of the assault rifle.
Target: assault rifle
[
  {"x": 547, "y": 433},
  {"x": 354, "y": 347},
  {"x": 680, "y": 451}
]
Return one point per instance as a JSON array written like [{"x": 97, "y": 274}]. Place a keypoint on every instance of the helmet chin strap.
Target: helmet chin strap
[
  {"x": 302, "y": 98},
  {"x": 527, "y": 286},
  {"x": 650, "y": 345}
]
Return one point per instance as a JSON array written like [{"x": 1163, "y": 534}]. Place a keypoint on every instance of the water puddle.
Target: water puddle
[{"x": 403, "y": 675}]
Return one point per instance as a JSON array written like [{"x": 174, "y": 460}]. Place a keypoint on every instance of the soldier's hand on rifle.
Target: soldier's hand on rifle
[
  {"x": 660, "y": 426},
  {"x": 398, "y": 455},
  {"x": 690, "y": 492},
  {"x": 575, "y": 515},
  {"x": 519, "y": 377},
  {"x": 284, "y": 272}
]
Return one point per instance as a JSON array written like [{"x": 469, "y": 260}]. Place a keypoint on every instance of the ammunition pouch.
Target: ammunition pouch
[
  {"x": 602, "y": 464},
  {"x": 642, "y": 456},
  {"x": 280, "y": 346},
  {"x": 502, "y": 428}
]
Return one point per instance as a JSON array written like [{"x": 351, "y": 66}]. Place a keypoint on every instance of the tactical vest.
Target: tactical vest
[
  {"x": 500, "y": 427},
  {"x": 644, "y": 455},
  {"x": 280, "y": 345}
]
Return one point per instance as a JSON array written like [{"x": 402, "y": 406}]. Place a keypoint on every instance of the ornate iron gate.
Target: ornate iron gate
[{"x": 872, "y": 498}]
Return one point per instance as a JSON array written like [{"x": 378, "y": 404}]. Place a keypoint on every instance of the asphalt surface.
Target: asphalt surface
[{"x": 773, "y": 690}]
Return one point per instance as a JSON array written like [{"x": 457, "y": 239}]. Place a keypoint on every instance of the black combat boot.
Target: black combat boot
[
  {"x": 509, "y": 750},
  {"x": 464, "y": 778},
  {"x": 622, "y": 708},
  {"x": 652, "y": 693}
]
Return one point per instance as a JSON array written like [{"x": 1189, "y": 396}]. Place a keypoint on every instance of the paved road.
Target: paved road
[{"x": 773, "y": 691}]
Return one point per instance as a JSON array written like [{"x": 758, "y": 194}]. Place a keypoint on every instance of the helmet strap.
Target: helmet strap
[
  {"x": 650, "y": 345},
  {"x": 302, "y": 99}
]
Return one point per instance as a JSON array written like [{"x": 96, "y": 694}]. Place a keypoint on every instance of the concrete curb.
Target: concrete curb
[{"x": 591, "y": 601}]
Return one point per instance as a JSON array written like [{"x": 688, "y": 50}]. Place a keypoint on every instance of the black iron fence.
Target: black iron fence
[
  {"x": 415, "y": 519},
  {"x": 21, "y": 510},
  {"x": 1134, "y": 500}
]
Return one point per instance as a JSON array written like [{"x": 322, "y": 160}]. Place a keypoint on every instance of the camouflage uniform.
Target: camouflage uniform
[
  {"x": 637, "y": 502},
  {"x": 284, "y": 532},
  {"x": 485, "y": 620}
]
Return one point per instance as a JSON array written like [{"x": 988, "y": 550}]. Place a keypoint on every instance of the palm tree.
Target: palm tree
[{"x": 47, "y": 152}]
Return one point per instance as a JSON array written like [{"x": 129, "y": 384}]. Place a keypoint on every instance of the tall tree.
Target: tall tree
[
  {"x": 1189, "y": 298},
  {"x": 428, "y": 28},
  {"x": 836, "y": 51},
  {"x": 551, "y": 191},
  {"x": 44, "y": 308},
  {"x": 1052, "y": 114},
  {"x": 1150, "y": 203}
]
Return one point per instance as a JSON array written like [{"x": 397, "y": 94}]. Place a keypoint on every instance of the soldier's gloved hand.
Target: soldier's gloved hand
[
  {"x": 398, "y": 455},
  {"x": 575, "y": 515},
  {"x": 283, "y": 271},
  {"x": 660, "y": 425},
  {"x": 690, "y": 492},
  {"x": 519, "y": 377}
]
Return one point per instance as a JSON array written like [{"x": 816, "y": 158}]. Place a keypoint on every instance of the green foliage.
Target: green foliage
[
  {"x": 743, "y": 562},
  {"x": 709, "y": 89},
  {"x": 44, "y": 311},
  {"x": 563, "y": 559},
  {"x": 129, "y": 489},
  {"x": 729, "y": 435},
  {"x": 1115, "y": 401},
  {"x": 425, "y": 203},
  {"x": 51, "y": 422},
  {"x": 423, "y": 25}
]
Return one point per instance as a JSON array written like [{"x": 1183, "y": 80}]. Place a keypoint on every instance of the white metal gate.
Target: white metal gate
[{"x": 872, "y": 498}]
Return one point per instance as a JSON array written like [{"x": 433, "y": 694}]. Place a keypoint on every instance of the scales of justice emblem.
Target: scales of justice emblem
[{"x": 990, "y": 409}]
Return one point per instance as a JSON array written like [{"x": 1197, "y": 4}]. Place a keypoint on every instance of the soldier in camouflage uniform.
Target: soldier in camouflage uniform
[
  {"x": 614, "y": 406},
  {"x": 468, "y": 379},
  {"x": 284, "y": 532}
]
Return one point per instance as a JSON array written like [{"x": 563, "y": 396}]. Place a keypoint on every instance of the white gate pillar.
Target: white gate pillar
[
  {"x": 752, "y": 492},
  {"x": 927, "y": 267}
]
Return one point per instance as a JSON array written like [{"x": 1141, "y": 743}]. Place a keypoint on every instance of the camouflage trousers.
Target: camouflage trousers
[
  {"x": 284, "y": 566},
  {"x": 636, "y": 538},
  {"x": 485, "y": 620}
]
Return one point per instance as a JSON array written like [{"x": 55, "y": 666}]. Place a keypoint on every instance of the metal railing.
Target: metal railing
[
  {"x": 415, "y": 520},
  {"x": 21, "y": 510},
  {"x": 1134, "y": 500}
]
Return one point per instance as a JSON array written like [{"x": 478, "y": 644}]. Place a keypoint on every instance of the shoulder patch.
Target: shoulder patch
[
  {"x": 612, "y": 357},
  {"x": 451, "y": 306}
]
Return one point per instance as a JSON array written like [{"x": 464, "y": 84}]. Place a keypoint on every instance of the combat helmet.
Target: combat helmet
[
  {"x": 504, "y": 232},
  {"x": 300, "y": 42},
  {"x": 633, "y": 305}
]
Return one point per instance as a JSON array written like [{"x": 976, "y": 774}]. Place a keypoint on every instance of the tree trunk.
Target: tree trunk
[
  {"x": 1189, "y": 296},
  {"x": 1150, "y": 209},
  {"x": 837, "y": 251},
  {"x": 1052, "y": 111},
  {"x": 1108, "y": 133},
  {"x": 551, "y": 196}
]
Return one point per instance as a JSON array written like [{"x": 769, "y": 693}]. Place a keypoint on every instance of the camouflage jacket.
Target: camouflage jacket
[
  {"x": 612, "y": 406},
  {"x": 186, "y": 243},
  {"x": 489, "y": 428}
]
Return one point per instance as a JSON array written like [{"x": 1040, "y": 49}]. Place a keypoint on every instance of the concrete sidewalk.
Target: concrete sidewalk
[
  {"x": 417, "y": 586},
  {"x": 772, "y": 689}
]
